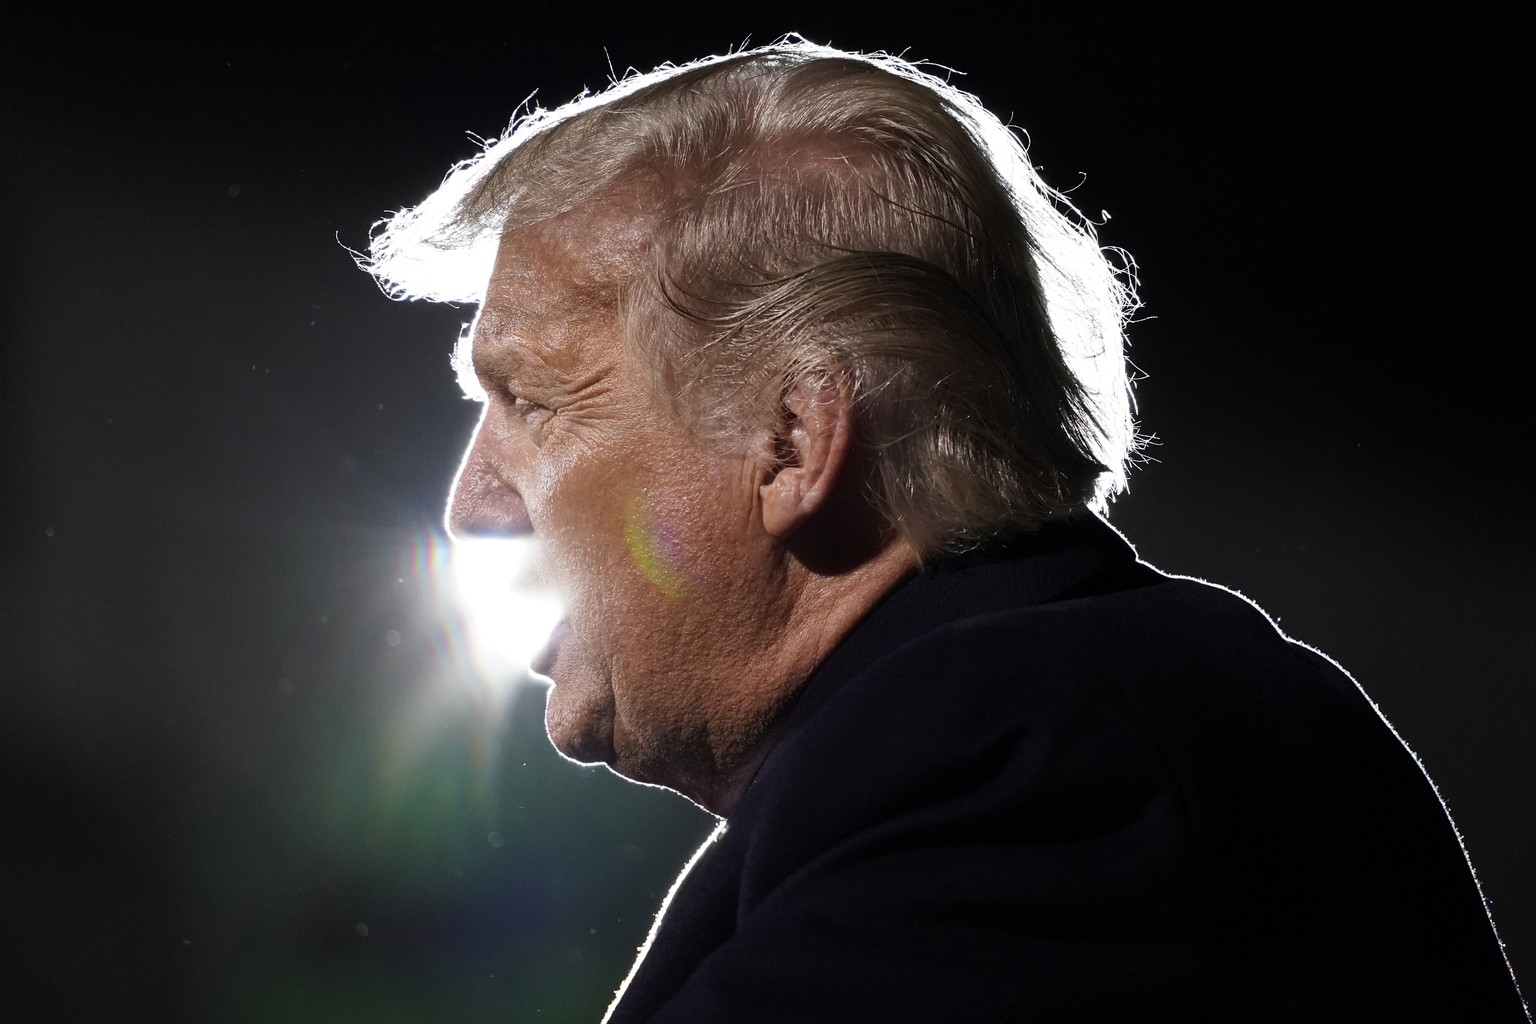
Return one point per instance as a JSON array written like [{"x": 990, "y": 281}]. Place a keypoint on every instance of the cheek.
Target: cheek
[
  {"x": 702, "y": 534},
  {"x": 639, "y": 536},
  {"x": 663, "y": 547},
  {"x": 569, "y": 497}
]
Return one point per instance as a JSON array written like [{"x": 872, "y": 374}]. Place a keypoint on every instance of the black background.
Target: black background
[{"x": 225, "y": 795}]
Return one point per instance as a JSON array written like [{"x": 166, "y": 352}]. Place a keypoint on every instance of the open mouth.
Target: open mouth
[{"x": 507, "y": 617}]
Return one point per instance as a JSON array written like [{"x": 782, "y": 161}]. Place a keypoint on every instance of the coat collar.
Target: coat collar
[{"x": 1073, "y": 557}]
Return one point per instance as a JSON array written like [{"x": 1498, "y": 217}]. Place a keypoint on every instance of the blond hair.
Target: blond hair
[{"x": 825, "y": 212}]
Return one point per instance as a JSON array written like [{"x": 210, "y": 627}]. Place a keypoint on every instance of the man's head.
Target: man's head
[{"x": 760, "y": 334}]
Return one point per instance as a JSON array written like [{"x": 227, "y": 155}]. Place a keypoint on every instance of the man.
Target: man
[{"x": 812, "y": 397}]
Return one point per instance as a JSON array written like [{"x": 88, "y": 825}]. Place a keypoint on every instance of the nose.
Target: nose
[{"x": 483, "y": 503}]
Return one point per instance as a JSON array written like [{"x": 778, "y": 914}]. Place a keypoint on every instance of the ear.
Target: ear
[{"x": 811, "y": 446}]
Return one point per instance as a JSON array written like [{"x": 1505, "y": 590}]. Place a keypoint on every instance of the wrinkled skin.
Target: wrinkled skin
[{"x": 690, "y": 622}]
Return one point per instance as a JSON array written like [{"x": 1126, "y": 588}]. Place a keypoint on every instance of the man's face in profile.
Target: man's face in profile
[{"x": 646, "y": 533}]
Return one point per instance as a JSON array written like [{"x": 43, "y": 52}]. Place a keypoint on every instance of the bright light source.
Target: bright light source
[{"x": 506, "y": 620}]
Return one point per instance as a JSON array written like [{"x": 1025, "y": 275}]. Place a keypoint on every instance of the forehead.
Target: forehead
[{"x": 564, "y": 275}]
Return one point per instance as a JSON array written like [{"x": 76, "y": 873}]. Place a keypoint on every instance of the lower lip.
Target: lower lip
[{"x": 544, "y": 661}]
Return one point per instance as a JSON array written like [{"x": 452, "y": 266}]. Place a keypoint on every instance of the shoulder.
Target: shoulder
[
  {"x": 1171, "y": 652},
  {"x": 1174, "y": 679},
  {"x": 1033, "y": 713},
  {"x": 1143, "y": 795},
  {"x": 1172, "y": 714}
]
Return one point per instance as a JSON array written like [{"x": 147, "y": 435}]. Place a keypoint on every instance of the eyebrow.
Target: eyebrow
[
  {"x": 463, "y": 362},
  {"x": 500, "y": 357}
]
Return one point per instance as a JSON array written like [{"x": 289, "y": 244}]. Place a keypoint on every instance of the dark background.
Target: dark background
[{"x": 226, "y": 795}]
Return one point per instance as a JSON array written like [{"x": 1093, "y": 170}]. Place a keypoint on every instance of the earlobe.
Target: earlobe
[{"x": 810, "y": 449}]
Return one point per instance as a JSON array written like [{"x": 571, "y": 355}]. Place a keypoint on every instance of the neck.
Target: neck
[{"x": 821, "y": 610}]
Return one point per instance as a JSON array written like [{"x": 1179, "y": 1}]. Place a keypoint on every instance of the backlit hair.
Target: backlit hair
[{"x": 837, "y": 214}]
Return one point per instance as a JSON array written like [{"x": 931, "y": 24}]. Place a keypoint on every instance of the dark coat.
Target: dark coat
[{"x": 1049, "y": 783}]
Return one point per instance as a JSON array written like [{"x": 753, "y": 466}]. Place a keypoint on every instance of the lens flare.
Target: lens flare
[
  {"x": 655, "y": 550},
  {"x": 506, "y": 620}
]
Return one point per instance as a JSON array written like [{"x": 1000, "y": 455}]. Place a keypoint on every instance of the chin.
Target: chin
[
  {"x": 583, "y": 733},
  {"x": 648, "y": 771}
]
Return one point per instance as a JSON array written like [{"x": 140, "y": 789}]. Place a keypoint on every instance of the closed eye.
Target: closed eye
[{"x": 524, "y": 407}]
